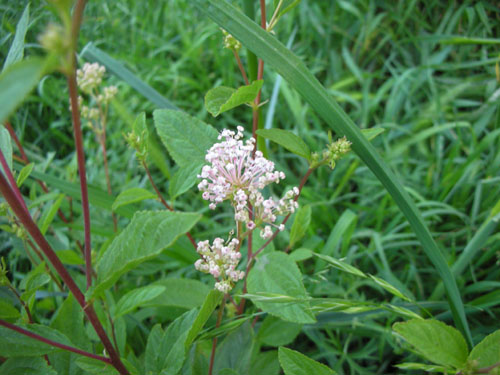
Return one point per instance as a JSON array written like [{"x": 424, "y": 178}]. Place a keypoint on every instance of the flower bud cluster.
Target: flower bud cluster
[
  {"x": 233, "y": 174},
  {"x": 336, "y": 150},
  {"x": 90, "y": 77},
  {"x": 230, "y": 42},
  {"x": 220, "y": 260}
]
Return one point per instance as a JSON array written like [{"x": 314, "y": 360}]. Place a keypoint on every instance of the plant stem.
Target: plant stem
[
  {"x": 12, "y": 181},
  {"x": 53, "y": 343},
  {"x": 23, "y": 304},
  {"x": 28, "y": 223},
  {"x": 240, "y": 65},
  {"x": 214, "y": 341},
  {"x": 163, "y": 201}
]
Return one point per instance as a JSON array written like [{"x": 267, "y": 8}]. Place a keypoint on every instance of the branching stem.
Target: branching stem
[{"x": 214, "y": 341}]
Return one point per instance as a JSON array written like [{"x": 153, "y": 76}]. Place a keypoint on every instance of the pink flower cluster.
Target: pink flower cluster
[
  {"x": 233, "y": 174},
  {"x": 220, "y": 260}
]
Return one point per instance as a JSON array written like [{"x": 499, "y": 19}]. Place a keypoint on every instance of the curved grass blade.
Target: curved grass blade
[{"x": 292, "y": 69}]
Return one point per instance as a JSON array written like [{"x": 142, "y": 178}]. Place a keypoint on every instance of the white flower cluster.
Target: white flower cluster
[
  {"x": 235, "y": 175},
  {"x": 220, "y": 260},
  {"x": 90, "y": 76}
]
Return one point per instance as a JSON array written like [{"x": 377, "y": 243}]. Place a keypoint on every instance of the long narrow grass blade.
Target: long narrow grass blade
[
  {"x": 292, "y": 69},
  {"x": 93, "y": 53}
]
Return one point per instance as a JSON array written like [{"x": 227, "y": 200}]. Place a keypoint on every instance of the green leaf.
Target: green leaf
[
  {"x": 70, "y": 257},
  {"x": 93, "y": 366},
  {"x": 286, "y": 6},
  {"x": 301, "y": 254},
  {"x": 16, "y": 51},
  {"x": 183, "y": 293},
  {"x": 288, "y": 140},
  {"x": 50, "y": 213},
  {"x": 16, "y": 82},
  {"x": 183, "y": 179},
  {"x": 277, "y": 273},
  {"x": 340, "y": 265},
  {"x": 422, "y": 367},
  {"x": 221, "y": 99},
  {"x": 487, "y": 352},
  {"x": 266, "y": 363},
  {"x": 7, "y": 310},
  {"x": 300, "y": 224},
  {"x": 294, "y": 71},
  {"x": 26, "y": 366},
  {"x": 147, "y": 235},
  {"x": 295, "y": 363},
  {"x": 436, "y": 341},
  {"x": 372, "y": 133},
  {"x": 131, "y": 196},
  {"x": 235, "y": 351},
  {"x": 186, "y": 138},
  {"x": 137, "y": 297},
  {"x": 208, "y": 307},
  {"x": 276, "y": 332},
  {"x": 5, "y": 147},
  {"x": 14, "y": 344},
  {"x": 24, "y": 174},
  {"x": 389, "y": 287},
  {"x": 36, "y": 278}
]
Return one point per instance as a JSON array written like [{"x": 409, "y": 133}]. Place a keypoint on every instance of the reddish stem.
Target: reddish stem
[
  {"x": 53, "y": 343},
  {"x": 163, "y": 201},
  {"x": 240, "y": 65},
  {"x": 214, "y": 341}
]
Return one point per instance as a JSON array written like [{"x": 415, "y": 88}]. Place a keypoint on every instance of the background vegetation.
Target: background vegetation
[{"x": 426, "y": 72}]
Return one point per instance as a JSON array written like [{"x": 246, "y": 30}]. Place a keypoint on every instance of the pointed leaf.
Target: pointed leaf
[
  {"x": 276, "y": 332},
  {"x": 208, "y": 307},
  {"x": 147, "y": 235},
  {"x": 372, "y": 133},
  {"x": 221, "y": 99},
  {"x": 7, "y": 310},
  {"x": 295, "y": 363},
  {"x": 288, "y": 140},
  {"x": 340, "y": 265},
  {"x": 436, "y": 341},
  {"x": 186, "y": 138},
  {"x": 130, "y": 196},
  {"x": 277, "y": 273},
  {"x": 16, "y": 51},
  {"x": 137, "y": 297},
  {"x": 16, "y": 82},
  {"x": 422, "y": 367},
  {"x": 24, "y": 174},
  {"x": 5, "y": 147}
]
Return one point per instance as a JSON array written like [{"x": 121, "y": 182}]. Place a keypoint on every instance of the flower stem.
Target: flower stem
[
  {"x": 214, "y": 341},
  {"x": 240, "y": 65},
  {"x": 52, "y": 343}
]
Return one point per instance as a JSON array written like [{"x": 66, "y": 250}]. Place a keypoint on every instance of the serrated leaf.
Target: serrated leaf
[
  {"x": 131, "y": 196},
  {"x": 277, "y": 273},
  {"x": 16, "y": 51},
  {"x": 221, "y": 99},
  {"x": 137, "y": 297},
  {"x": 436, "y": 341},
  {"x": 5, "y": 147},
  {"x": 487, "y": 352},
  {"x": 276, "y": 332},
  {"x": 26, "y": 366},
  {"x": 340, "y": 265},
  {"x": 288, "y": 140},
  {"x": 389, "y": 287},
  {"x": 16, "y": 82},
  {"x": 24, "y": 173},
  {"x": 295, "y": 363},
  {"x": 183, "y": 179},
  {"x": 186, "y": 138},
  {"x": 372, "y": 133},
  {"x": 147, "y": 235},
  {"x": 209, "y": 305},
  {"x": 300, "y": 224},
  {"x": 14, "y": 344},
  {"x": 7, "y": 310}
]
